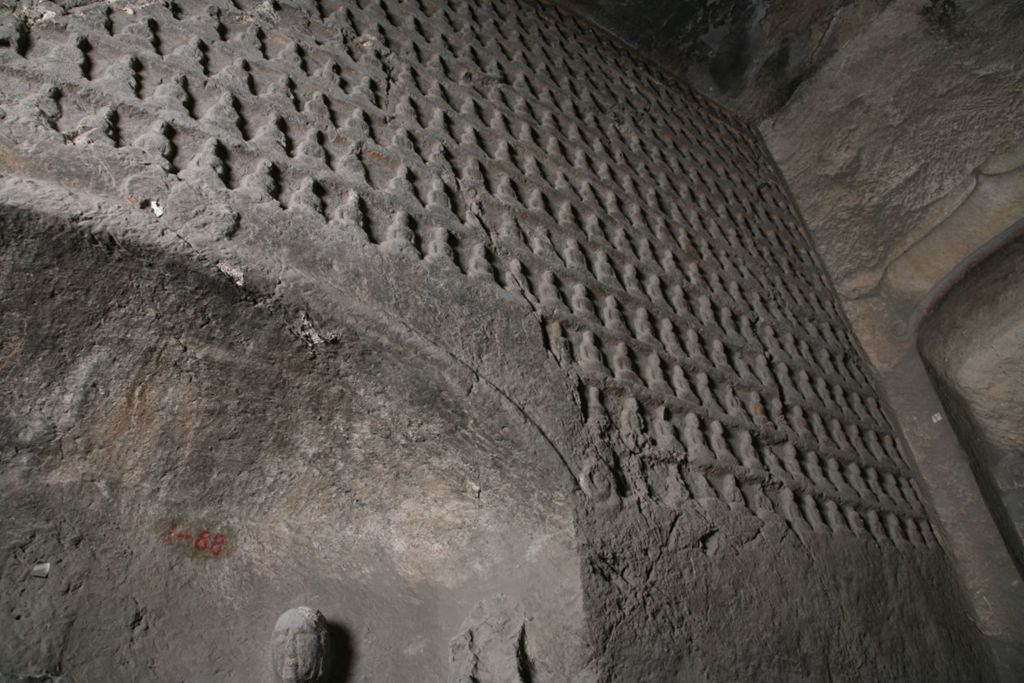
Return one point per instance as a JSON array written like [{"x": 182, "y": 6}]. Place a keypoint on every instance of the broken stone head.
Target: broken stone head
[{"x": 300, "y": 646}]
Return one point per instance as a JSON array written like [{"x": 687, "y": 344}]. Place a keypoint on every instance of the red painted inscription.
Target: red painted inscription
[{"x": 201, "y": 542}]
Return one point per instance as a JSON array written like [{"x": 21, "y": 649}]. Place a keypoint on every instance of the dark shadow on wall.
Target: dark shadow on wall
[
  {"x": 344, "y": 655},
  {"x": 972, "y": 344}
]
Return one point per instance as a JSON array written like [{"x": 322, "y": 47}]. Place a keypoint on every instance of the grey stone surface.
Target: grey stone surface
[
  {"x": 346, "y": 474},
  {"x": 409, "y": 306},
  {"x": 973, "y": 344},
  {"x": 921, "y": 114},
  {"x": 905, "y": 154},
  {"x": 749, "y": 55},
  {"x": 492, "y": 645}
]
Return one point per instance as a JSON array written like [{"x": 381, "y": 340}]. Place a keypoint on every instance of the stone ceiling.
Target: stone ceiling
[{"x": 748, "y": 54}]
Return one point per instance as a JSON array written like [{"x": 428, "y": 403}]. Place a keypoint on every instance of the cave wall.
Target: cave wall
[
  {"x": 189, "y": 464},
  {"x": 905, "y": 155},
  {"x": 972, "y": 345},
  {"x": 749, "y": 55},
  {"x": 911, "y": 133},
  {"x": 558, "y": 234}
]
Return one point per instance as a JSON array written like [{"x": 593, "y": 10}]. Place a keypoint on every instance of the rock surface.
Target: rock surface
[
  {"x": 905, "y": 154},
  {"x": 880, "y": 151},
  {"x": 973, "y": 345},
  {"x": 749, "y": 55},
  {"x": 395, "y": 308}
]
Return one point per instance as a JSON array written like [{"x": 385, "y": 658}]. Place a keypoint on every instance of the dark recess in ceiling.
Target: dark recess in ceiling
[{"x": 749, "y": 55}]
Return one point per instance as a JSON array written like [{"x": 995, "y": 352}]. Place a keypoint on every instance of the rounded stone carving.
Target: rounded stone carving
[{"x": 300, "y": 646}]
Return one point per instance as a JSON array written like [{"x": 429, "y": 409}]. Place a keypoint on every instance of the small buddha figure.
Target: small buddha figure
[{"x": 300, "y": 646}]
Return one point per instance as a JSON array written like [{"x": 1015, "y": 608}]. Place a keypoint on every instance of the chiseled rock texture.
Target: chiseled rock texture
[
  {"x": 908, "y": 127},
  {"x": 905, "y": 155},
  {"x": 451, "y": 320},
  {"x": 972, "y": 345},
  {"x": 750, "y": 55}
]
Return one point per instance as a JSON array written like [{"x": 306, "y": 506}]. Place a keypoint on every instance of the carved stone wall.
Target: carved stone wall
[
  {"x": 610, "y": 257},
  {"x": 909, "y": 171}
]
